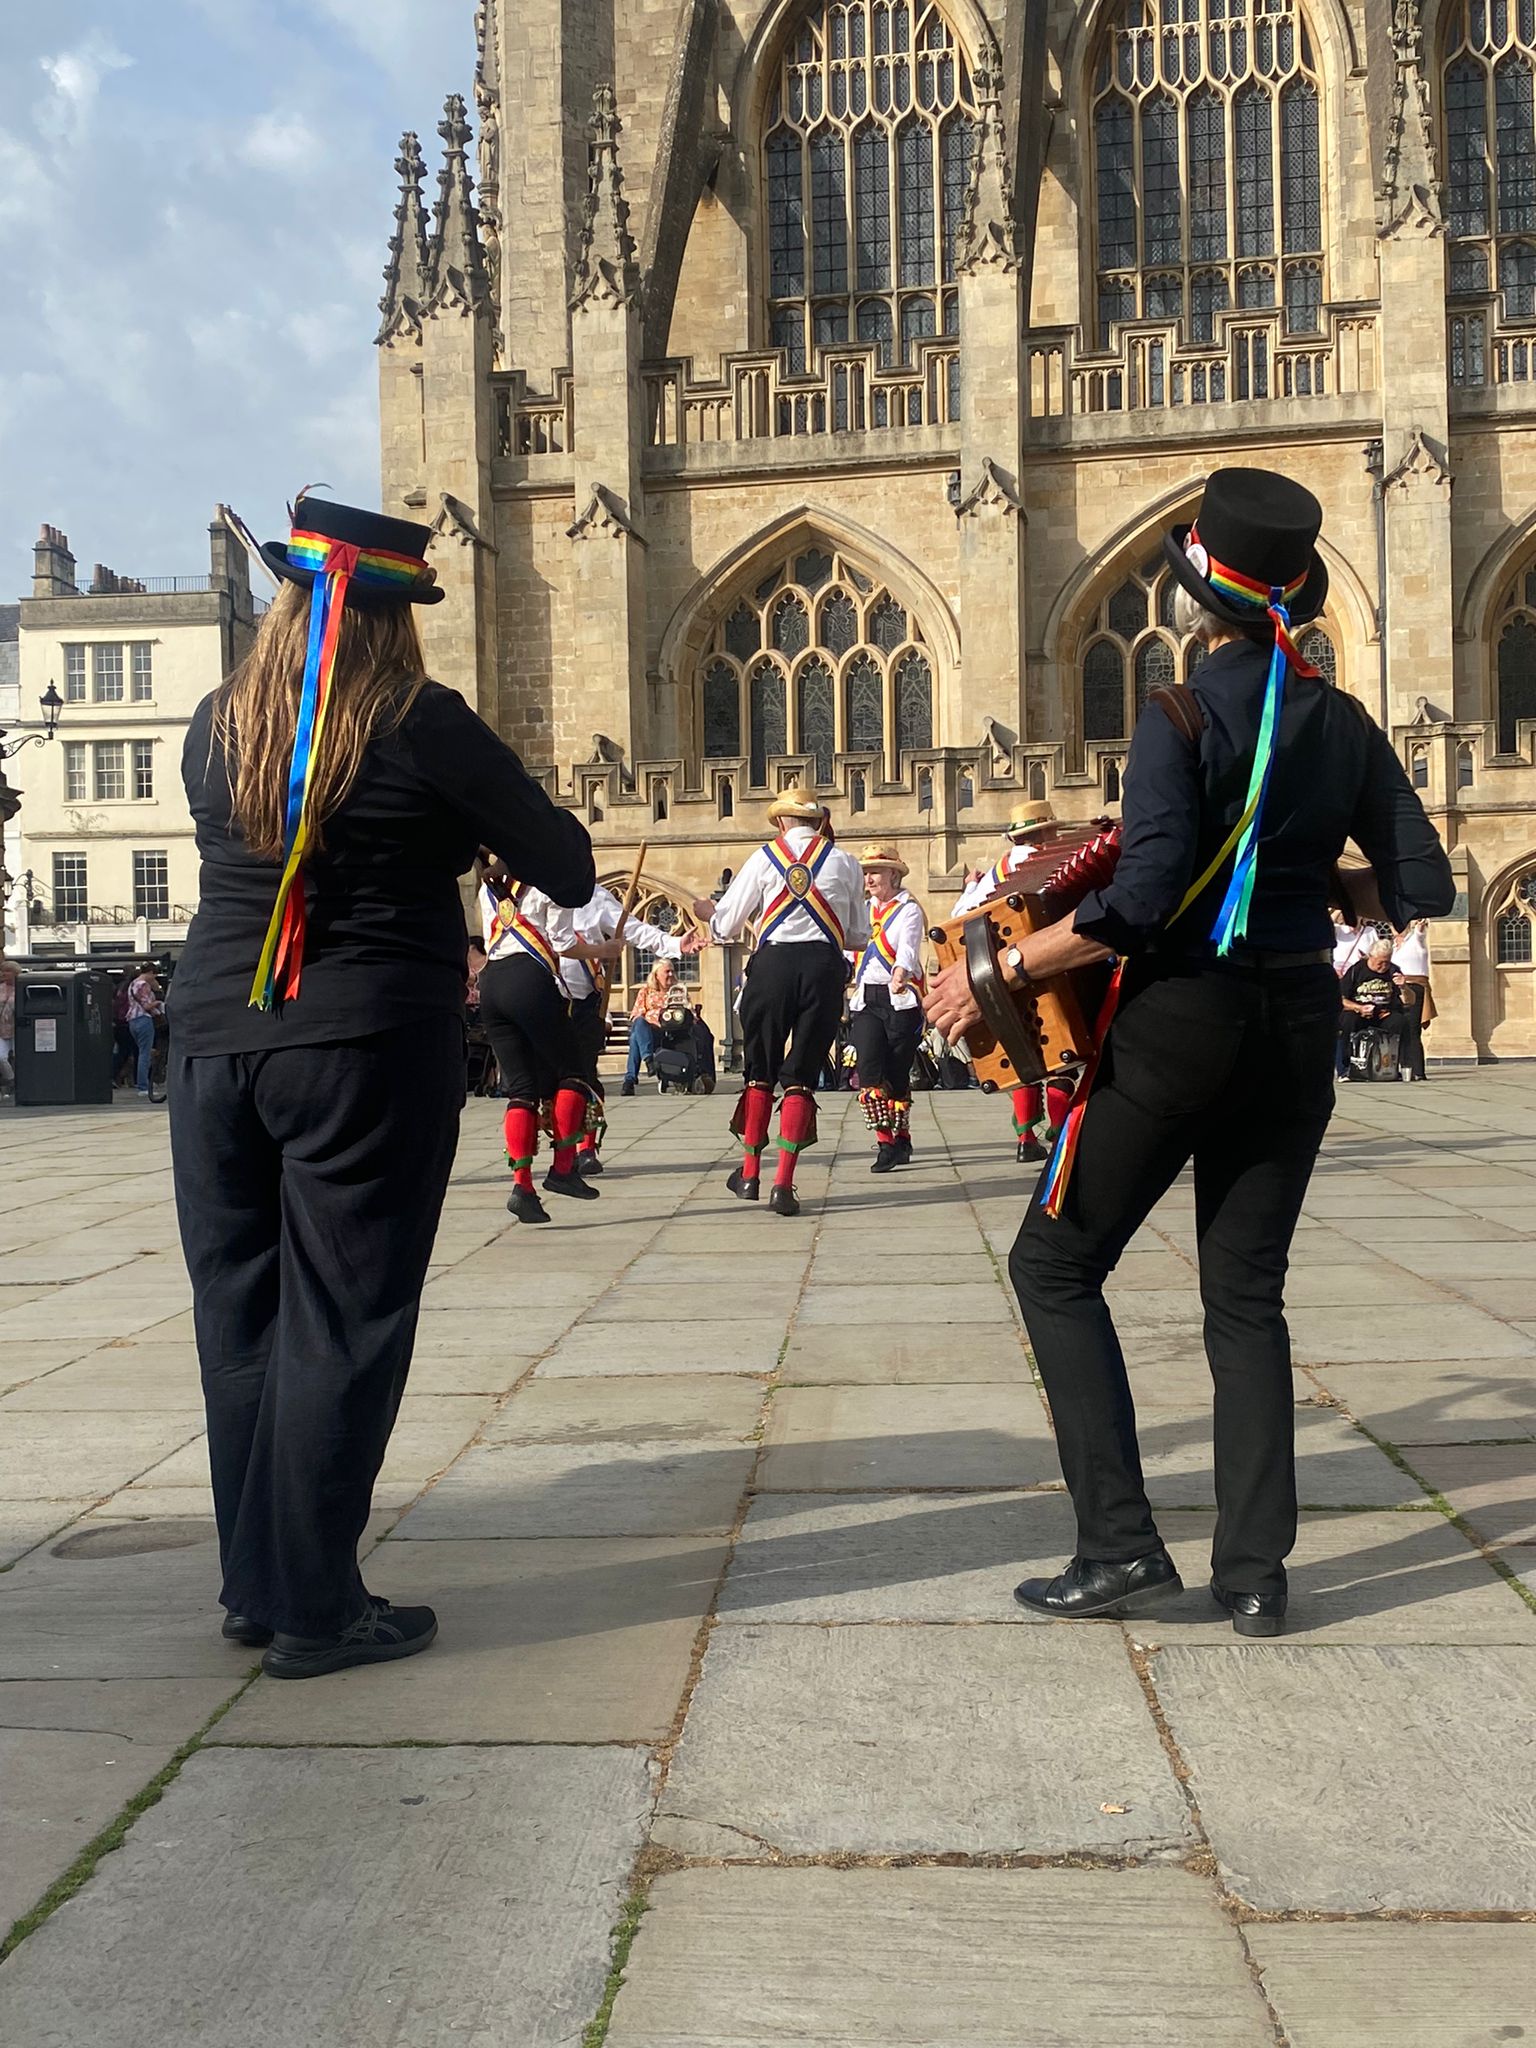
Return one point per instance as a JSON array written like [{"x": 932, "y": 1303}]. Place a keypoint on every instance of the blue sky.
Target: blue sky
[{"x": 195, "y": 204}]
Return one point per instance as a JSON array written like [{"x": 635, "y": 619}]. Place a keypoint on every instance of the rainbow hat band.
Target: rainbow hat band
[{"x": 345, "y": 556}]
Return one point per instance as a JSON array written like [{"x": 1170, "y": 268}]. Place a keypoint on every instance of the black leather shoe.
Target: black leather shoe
[
  {"x": 784, "y": 1201},
  {"x": 1253, "y": 1614},
  {"x": 1031, "y": 1151},
  {"x": 589, "y": 1164},
  {"x": 628, "y": 1088},
  {"x": 239, "y": 1629},
  {"x": 572, "y": 1183},
  {"x": 1089, "y": 1588},
  {"x": 739, "y": 1185},
  {"x": 903, "y": 1150},
  {"x": 525, "y": 1205},
  {"x": 884, "y": 1160},
  {"x": 380, "y": 1634}
]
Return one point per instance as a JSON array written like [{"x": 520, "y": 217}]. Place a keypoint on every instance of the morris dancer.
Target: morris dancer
[
  {"x": 885, "y": 1007},
  {"x": 1027, "y": 831},
  {"x": 808, "y": 898},
  {"x": 527, "y": 1017},
  {"x": 1221, "y": 1049}
]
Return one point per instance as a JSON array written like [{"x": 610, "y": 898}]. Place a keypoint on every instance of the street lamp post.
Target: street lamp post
[{"x": 10, "y": 799}]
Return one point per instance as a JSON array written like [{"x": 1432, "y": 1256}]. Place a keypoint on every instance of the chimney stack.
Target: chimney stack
[
  {"x": 53, "y": 566},
  {"x": 229, "y": 563}
]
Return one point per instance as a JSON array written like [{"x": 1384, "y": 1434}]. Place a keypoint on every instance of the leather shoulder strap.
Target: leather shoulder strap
[{"x": 1179, "y": 707}]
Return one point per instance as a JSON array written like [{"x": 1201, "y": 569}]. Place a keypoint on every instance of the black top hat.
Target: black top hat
[
  {"x": 1253, "y": 545},
  {"x": 390, "y": 565}
]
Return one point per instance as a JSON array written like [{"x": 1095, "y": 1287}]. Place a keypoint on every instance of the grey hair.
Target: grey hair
[{"x": 1191, "y": 616}]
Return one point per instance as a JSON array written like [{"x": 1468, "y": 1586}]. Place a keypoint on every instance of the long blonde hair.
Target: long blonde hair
[{"x": 379, "y": 670}]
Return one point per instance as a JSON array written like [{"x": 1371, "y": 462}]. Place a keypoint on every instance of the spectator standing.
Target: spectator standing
[
  {"x": 1410, "y": 956},
  {"x": 144, "y": 1009}
]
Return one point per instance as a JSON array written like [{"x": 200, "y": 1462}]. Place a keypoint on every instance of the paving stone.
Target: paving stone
[
  {"x": 876, "y": 1557},
  {"x": 657, "y": 1488},
  {"x": 1431, "y": 1984},
  {"x": 893, "y": 1357},
  {"x": 494, "y": 1372},
  {"x": 26, "y": 1523},
  {"x": 1493, "y": 1486},
  {"x": 1467, "y": 1401},
  {"x": 61, "y": 1790},
  {"x": 23, "y": 1361},
  {"x": 1361, "y": 1779},
  {"x": 1455, "y": 1263},
  {"x": 751, "y": 1345},
  {"x": 918, "y": 1269},
  {"x": 53, "y": 1456},
  {"x": 1354, "y": 1578},
  {"x": 135, "y": 1377},
  {"x": 937, "y": 1307},
  {"x": 463, "y": 1286},
  {"x": 1509, "y": 1298},
  {"x": 849, "y": 1439},
  {"x": 784, "y": 1269},
  {"x": 588, "y": 1640},
  {"x": 745, "y": 1294},
  {"x": 1447, "y": 1228},
  {"x": 1335, "y": 1465},
  {"x": 1450, "y": 1330},
  {"x": 681, "y": 1409},
  {"x": 892, "y": 1741},
  {"x": 433, "y": 1894},
  {"x": 471, "y": 1333},
  {"x": 153, "y": 1614},
  {"x": 755, "y": 1958},
  {"x": 1368, "y": 1282}
]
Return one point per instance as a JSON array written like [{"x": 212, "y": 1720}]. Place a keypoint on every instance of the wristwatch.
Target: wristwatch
[{"x": 1014, "y": 959}]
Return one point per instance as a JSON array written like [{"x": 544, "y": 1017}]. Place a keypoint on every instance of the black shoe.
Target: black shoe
[
  {"x": 589, "y": 1164},
  {"x": 740, "y": 1185},
  {"x": 570, "y": 1183},
  {"x": 1253, "y": 1614},
  {"x": 784, "y": 1201},
  {"x": 237, "y": 1629},
  {"x": 903, "y": 1150},
  {"x": 380, "y": 1634},
  {"x": 884, "y": 1159},
  {"x": 525, "y": 1205},
  {"x": 1088, "y": 1588},
  {"x": 628, "y": 1088},
  {"x": 1031, "y": 1151}
]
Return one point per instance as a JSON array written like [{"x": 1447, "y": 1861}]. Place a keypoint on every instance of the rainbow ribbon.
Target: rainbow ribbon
[{"x": 282, "y": 951}]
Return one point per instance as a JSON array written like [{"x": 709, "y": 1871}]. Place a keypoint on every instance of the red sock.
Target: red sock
[
  {"x": 588, "y": 1142},
  {"x": 751, "y": 1126},
  {"x": 520, "y": 1133},
  {"x": 797, "y": 1128},
  {"x": 1058, "y": 1101},
  {"x": 570, "y": 1116},
  {"x": 1026, "y": 1108},
  {"x": 884, "y": 1137}
]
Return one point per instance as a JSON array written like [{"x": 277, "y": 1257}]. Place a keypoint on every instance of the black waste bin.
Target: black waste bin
[{"x": 63, "y": 1038}]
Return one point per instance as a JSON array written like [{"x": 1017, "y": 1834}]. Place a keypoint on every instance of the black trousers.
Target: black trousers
[
  {"x": 885, "y": 1042},
  {"x": 527, "y": 1017},
  {"x": 791, "y": 997},
  {"x": 309, "y": 1181},
  {"x": 1231, "y": 1067},
  {"x": 590, "y": 1028},
  {"x": 1410, "y": 1034}
]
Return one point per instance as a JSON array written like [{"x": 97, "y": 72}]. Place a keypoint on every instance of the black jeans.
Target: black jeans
[
  {"x": 792, "y": 997},
  {"x": 528, "y": 1019},
  {"x": 309, "y": 1181},
  {"x": 1231, "y": 1067},
  {"x": 885, "y": 1042}
]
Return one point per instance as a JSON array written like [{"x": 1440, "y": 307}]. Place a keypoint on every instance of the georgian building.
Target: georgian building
[{"x": 801, "y": 389}]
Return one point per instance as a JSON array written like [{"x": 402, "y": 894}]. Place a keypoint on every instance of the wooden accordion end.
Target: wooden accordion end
[{"x": 1043, "y": 1029}]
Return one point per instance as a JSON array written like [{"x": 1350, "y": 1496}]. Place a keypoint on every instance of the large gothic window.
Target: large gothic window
[
  {"x": 1132, "y": 648},
  {"x": 816, "y": 660},
  {"x": 1490, "y": 150},
  {"x": 1514, "y": 640},
  {"x": 1207, "y": 165},
  {"x": 866, "y": 159}
]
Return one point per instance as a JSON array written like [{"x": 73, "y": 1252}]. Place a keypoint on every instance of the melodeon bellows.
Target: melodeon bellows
[{"x": 1043, "y": 1028}]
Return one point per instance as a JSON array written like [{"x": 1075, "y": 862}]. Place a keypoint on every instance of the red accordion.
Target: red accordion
[{"x": 1042, "y": 1028}]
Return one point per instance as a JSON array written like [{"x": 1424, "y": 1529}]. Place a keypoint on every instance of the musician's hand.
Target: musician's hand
[
  {"x": 695, "y": 942},
  {"x": 951, "y": 1008},
  {"x": 704, "y": 907},
  {"x": 901, "y": 981}
]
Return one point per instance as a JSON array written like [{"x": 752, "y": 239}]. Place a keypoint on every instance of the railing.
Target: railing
[
  {"x": 757, "y": 398},
  {"x": 1150, "y": 370},
  {"x": 1480, "y": 357},
  {"x": 149, "y": 586},
  {"x": 534, "y": 425}
]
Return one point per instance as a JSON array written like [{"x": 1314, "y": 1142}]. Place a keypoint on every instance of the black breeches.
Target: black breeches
[
  {"x": 792, "y": 997},
  {"x": 527, "y": 1018},
  {"x": 589, "y": 1027},
  {"x": 885, "y": 1041},
  {"x": 309, "y": 1181}
]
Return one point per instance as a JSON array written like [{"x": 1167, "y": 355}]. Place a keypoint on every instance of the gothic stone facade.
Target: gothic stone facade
[{"x": 801, "y": 387}]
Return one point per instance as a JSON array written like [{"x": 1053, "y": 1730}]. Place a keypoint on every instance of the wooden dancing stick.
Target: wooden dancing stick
[{"x": 604, "y": 969}]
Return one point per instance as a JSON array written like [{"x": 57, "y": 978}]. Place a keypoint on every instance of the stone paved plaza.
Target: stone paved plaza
[{"x": 721, "y": 1514}]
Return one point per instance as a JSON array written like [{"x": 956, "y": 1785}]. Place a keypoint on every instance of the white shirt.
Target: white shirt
[
  {"x": 1411, "y": 954},
  {"x": 906, "y": 932},
  {"x": 841, "y": 882},
  {"x": 1350, "y": 945},
  {"x": 984, "y": 886},
  {"x": 597, "y": 920},
  {"x": 533, "y": 906}
]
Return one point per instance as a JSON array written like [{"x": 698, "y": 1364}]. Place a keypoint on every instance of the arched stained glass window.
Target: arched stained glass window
[
  {"x": 1516, "y": 643},
  {"x": 1157, "y": 668},
  {"x": 1513, "y": 926},
  {"x": 866, "y": 160},
  {"x": 1206, "y": 150},
  {"x": 847, "y": 669},
  {"x": 1104, "y": 692},
  {"x": 1315, "y": 646},
  {"x": 1489, "y": 102}
]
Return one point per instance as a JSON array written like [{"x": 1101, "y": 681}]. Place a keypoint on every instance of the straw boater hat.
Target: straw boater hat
[
  {"x": 883, "y": 857},
  {"x": 796, "y": 806},
  {"x": 1025, "y": 816}
]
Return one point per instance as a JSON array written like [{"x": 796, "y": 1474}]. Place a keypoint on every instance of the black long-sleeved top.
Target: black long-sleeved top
[
  {"x": 1335, "y": 778},
  {"x": 385, "y": 942}
]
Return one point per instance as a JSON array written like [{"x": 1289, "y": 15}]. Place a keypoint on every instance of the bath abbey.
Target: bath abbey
[{"x": 800, "y": 390}]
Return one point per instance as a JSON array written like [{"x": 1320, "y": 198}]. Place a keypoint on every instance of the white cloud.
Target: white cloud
[
  {"x": 76, "y": 75},
  {"x": 281, "y": 142}
]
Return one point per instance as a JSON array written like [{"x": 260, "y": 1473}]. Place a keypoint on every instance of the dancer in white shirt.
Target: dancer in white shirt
[
  {"x": 886, "y": 1007},
  {"x": 583, "y": 937}
]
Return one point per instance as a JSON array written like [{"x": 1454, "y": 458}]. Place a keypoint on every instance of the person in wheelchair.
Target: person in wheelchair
[
  {"x": 680, "y": 1060},
  {"x": 1372, "y": 993}
]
